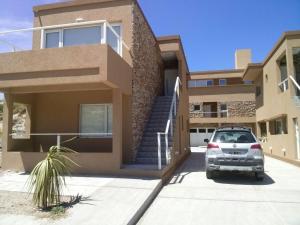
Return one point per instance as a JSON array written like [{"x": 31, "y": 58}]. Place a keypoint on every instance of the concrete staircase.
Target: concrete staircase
[{"x": 147, "y": 151}]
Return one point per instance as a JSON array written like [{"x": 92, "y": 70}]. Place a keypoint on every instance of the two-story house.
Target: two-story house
[
  {"x": 221, "y": 98},
  {"x": 277, "y": 81},
  {"x": 96, "y": 74}
]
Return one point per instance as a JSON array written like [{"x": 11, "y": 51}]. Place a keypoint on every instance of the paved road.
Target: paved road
[{"x": 190, "y": 198}]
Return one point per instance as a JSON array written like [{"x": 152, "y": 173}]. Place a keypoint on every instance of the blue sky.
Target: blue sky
[{"x": 211, "y": 30}]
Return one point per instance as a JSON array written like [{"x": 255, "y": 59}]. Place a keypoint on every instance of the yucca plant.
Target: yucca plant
[{"x": 47, "y": 179}]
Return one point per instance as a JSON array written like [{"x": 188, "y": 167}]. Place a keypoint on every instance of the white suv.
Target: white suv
[{"x": 234, "y": 149}]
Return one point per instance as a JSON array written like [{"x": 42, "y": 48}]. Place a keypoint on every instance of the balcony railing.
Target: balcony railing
[
  {"x": 217, "y": 114},
  {"x": 284, "y": 85},
  {"x": 23, "y": 39}
]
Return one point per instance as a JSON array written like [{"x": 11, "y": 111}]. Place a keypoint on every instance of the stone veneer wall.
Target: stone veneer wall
[
  {"x": 241, "y": 108},
  {"x": 147, "y": 78},
  {"x": 235, "y": 109}
]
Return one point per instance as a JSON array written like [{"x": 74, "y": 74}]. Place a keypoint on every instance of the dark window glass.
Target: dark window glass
[
  {"x": 196, "y": 107},
  {"x": 193, "y": 130},
  {"x": 202, "y": 131},
  {"x": 211, "y": 130},
  {"x": 233, "y": 137}
]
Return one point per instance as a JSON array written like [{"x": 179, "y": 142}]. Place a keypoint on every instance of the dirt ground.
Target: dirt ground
[{"x": 19, "y": 203}]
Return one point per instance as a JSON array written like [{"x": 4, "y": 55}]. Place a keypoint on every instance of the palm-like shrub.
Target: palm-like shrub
[{"x": 47, "y": 179}]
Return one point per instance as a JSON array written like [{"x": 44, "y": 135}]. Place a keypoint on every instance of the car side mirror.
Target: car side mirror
[{"x": 206, "y": 140}]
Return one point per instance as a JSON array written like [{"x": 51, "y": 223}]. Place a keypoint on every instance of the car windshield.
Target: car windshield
[{"x": 233, "y": 137}]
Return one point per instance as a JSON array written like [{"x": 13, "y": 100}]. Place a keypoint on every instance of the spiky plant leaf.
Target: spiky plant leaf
[{"x": 47, "y": 179}]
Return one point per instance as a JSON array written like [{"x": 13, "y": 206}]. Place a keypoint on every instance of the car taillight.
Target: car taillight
[
  {"x": 256, "y": 146},
  {"x": 210, "y": 146}
]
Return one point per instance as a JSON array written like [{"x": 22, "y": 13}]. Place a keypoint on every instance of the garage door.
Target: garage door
[{"x": 197, "y": 135}]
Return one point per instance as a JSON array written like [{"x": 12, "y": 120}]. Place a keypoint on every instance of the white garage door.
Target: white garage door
[{"x": 197, "y": 135}]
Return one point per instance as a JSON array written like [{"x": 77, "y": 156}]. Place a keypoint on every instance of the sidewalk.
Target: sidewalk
[{"x": 111, "y": 201}]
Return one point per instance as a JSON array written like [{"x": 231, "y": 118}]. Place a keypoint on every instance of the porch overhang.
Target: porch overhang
[
  {"x": 97, "y": 66},
  {"x": 252, "y": 71}
]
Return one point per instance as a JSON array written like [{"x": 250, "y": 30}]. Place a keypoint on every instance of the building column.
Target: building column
[
  {"x": 117, "y": 142},
  {"x": 7, "y": 122}
]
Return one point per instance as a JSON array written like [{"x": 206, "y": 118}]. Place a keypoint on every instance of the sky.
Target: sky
[{"x": 211, "y": 30}]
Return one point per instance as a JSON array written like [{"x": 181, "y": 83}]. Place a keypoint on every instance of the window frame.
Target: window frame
[
  {"x": 197, "y": 110},
  {"x": 222, "y": 80},
  {"x": 103, "y": 34},
  {"x": 106, "y": 120}
]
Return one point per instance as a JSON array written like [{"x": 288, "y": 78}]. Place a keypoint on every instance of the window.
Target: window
[
  {"x": 96, "y": 118},
  {"x": 202, "y": 131},
  {"x": 278, "y": 126},
  {"x": 193, "y": 130},
  {"x": 52, "y": 39},
  {"x": 112, "y": 39},
  {"x": 234, "y": 137},
  {"x": 192, "y": 83},
  {"x": 209, "y": 83},
  {"x": 283, "y": 81},
  {"x": 210, "y": 130},
  {"x": 82, "y": 36},
  {"x": 222, "y": 82},
  {"x": 223, "y": 110},
  {"x": 296, "y": 62},
  {"x": 263, "y": 129},
  {"x": 196, "y": 108},
  {"x": 248, "y": 82}
]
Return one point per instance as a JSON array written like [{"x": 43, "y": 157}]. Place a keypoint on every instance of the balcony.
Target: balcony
[
  {"x": 215, "y": 112},
  {"x": 98, "y": 66}
]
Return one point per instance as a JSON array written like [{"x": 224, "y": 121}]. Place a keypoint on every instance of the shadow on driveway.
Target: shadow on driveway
[
  {"x": 196, "y": 163},
  {"x": 241, "y": 178}
]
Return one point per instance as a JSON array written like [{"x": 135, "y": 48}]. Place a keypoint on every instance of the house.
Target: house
[
  {"x": 277, "y": 81},
  {"x": 221, "y": 98},
  {"x": 97, "y": 80}
]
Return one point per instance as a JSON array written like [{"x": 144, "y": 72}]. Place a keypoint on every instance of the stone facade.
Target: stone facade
[
  {"x": 235, "y": 109},
  {"x": 147, "y": 78},
  {"x": 241, "y": 108}
]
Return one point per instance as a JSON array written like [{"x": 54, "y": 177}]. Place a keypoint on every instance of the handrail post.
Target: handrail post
[
  {"x": 171, "y": 126},
  {"x": 167, "y": 148},
  {"x": 58, "y": 141},
  {"x": 159, "y": 150}
]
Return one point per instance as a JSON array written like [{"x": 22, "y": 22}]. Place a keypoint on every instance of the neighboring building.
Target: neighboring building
[
  {"x": 221, "y": 98},
  {"x": 96, "y": 71},
  {"x": 277, "y": 81}
]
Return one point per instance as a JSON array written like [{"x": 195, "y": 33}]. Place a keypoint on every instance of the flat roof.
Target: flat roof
[
  {"x": 70, "y": 3},
  {"x": 253, "y": 69},
  {"x": 216, "y": 72},
  {"x": 172, "y": 39}
]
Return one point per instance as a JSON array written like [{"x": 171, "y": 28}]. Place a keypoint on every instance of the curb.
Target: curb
[{"x": 143, "y": 208}]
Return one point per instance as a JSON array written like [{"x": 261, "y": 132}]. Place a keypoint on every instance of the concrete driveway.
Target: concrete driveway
[{"x": 190, "y": 198}]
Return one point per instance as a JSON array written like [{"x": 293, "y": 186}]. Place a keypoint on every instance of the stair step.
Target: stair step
[
  {"x": 150, "y": 155},
  {"x": 149, "y": 161}
]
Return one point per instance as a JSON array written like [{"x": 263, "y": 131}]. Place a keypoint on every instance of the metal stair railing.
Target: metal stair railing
[
  {"x": 169, "y": 127},
  {"x": 295, "y": 82}
]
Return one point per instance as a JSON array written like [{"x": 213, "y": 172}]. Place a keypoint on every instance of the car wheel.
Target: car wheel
[
  {"x": 259, "y": 176},
  {"x": 209, "y": 174}
]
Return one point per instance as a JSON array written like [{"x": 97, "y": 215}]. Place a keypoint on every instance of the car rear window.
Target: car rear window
[{"x": 233, "y": 137}]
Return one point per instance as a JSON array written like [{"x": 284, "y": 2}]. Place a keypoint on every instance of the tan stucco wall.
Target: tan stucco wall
[
  {"x": 276, "y": 103},
  {"x": 114, "y": 11}
]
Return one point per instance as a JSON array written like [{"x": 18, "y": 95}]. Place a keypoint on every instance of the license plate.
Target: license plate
[{"x": 236, "y": 168}]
